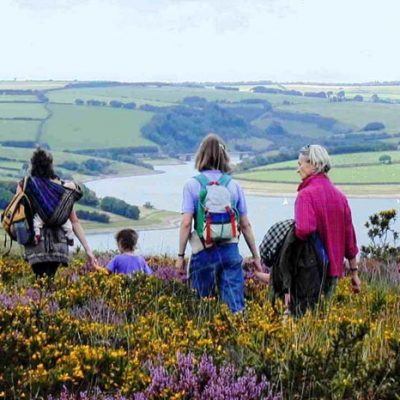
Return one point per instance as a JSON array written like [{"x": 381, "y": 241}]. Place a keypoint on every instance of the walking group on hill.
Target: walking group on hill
[{"x": 301, "y": 259}]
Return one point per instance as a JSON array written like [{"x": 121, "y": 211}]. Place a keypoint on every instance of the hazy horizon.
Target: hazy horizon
[{"x": 200, "y": 41}]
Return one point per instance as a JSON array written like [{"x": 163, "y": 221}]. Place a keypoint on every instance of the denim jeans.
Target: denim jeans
[{"x": 219, "y": 267}]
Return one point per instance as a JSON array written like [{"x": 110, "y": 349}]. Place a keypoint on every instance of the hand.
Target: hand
[
  {"x": 262, "y": 276},
  {"x": 180, "y": 264},
  {"x": 257, "y": 264},
  {"x": 91, "y": 258},
  {"x": 355, "y": 283}
]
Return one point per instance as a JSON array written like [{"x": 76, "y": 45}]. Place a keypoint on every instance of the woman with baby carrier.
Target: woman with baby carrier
[
  {"x": 214, "y": 204},
  {"x": 52, "y": 218}
]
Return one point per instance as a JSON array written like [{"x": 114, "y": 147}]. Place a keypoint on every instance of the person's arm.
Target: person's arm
[
  {"x": 80, "y": 234},
  {"x": 184, "y": 233},
  {"x": 248, "y": 234},
  {"x": 351, "y": 250},
  {"x": 304, "y": 216}
]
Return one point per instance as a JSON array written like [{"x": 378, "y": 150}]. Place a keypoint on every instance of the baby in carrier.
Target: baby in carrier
[{"x": 66, "y": 227}]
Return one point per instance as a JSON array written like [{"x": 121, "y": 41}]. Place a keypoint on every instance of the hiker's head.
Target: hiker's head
[
  {"x": 42, "y": 164},
  {"x": 212, "y": 154},
  {"x": 313, "y": 159},
  {"x": 126, "y": 239}
]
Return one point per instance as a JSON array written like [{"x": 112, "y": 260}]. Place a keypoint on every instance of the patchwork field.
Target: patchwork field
[
  {"x": 84, "y": 127},
  {"x": 391, "y": 92},
  {"x": 17, "y": 98},
  {"x": 22, "y": 110},
  {"x": 18, "y": 130},
  {"x": 164, "y": 95},
  {"x": 357, "y": 174},
  {"x": 354, "y": 114}
]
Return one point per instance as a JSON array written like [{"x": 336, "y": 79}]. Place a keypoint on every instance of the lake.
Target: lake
[{"x": 164, "y": 191}]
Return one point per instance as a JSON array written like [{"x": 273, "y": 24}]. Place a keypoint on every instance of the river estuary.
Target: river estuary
[{"x": 164, "y": 191}]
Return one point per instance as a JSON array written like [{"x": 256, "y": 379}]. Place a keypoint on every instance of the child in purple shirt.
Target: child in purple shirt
[{"x": 127, "y": 262}]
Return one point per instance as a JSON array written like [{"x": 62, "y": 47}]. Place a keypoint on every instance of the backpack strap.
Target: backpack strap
[
  {"x": 224, "y": 180},
  {"x": 202, "y": 179},
  {"x": 25, "y": 182}
]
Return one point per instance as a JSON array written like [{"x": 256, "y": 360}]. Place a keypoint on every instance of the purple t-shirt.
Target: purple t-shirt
[
  {"x": 128, "y": 264},
  {"x": 192, "y": 189}
]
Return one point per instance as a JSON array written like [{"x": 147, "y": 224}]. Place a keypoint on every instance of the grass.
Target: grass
[
  {"x": 21, "y": 110},
  {"x": 17, "y": 98},
  {"x": 386, "y": 92},
  {"x": 164, "y": 94},
  {"x": 371, "y": 174},
  {"x": 84, "y": 127},
  {"x": 294, "y": 127},
  {"x": 373, "y": 179},
  {"x": 341, "y": 160},
  {"x": 354, "y": 114},
  {"x": 18, "y": 130}
]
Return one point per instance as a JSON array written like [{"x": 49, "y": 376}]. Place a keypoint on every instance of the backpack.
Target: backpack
[
  {"x": 17, "y": 218},
  {"x": 217, "y": 219}
]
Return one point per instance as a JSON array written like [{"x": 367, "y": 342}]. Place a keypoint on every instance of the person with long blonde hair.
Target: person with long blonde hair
[{"x": 215, "y": 264}]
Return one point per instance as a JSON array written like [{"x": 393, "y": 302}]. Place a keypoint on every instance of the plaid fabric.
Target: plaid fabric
[{"x": 273, "y": 240}]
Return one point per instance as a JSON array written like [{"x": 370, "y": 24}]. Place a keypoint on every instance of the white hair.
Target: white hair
[{"x": 317, "y": 156}]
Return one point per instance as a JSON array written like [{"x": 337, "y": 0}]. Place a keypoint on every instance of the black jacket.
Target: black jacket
[{"x": 300, "y": 270}]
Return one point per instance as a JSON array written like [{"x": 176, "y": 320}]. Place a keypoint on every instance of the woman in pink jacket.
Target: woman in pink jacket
[{"x": 321, "y": 207}]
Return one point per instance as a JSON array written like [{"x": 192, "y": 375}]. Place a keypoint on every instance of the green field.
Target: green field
[
  {"x": 22, "y": 110},
  {"x": 341, "y": 160},
  {"x": 391, "y": 92},
  {"x": 345, "y": 173},
  {"x": 375, "y": 174},
  {"x": 165, "y": 95},
  {"x": 18, "y": 130},
  {"x": 17, "y": 98},
  {"x": 84, "y": 127},
  {"x": 293, "y": 127},
  {"x": 354, "y": 114}
]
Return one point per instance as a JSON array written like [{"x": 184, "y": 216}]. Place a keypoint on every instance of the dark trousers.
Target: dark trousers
[{"x": 45, "y": 268}]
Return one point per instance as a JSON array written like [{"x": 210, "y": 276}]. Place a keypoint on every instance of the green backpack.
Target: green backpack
[{"x": 217, "y": 219}]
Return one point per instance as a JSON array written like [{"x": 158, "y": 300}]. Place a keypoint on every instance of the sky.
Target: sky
[{"x": 200, "y": 40}]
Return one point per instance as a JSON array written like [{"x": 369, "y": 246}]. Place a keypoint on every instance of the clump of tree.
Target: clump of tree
[
  {"x": 220, "y": 87},
  {"x": 358, "y": 97},
  {"x": 385, "y": 159},
  {"x": 181, "y": 128},
  {"x": 383, "y": 237},
  {"x": 90, "y": 166},
  {"x": 374, "y": 126},
  {"x": 120, "y": 207},
  {"x": 89, "y": 197},
  {"x": 27, "y": 144},
  {"x": 275, "y": 128},
  {"x": 93, "y": 216},
  {"x": 123, "y": 154},
  {"x": 119, "y": 104},
  {"x": 5, "y": 197},
  {"x": 321, "y": 95},
  {"x": 96, "y": 103}
]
